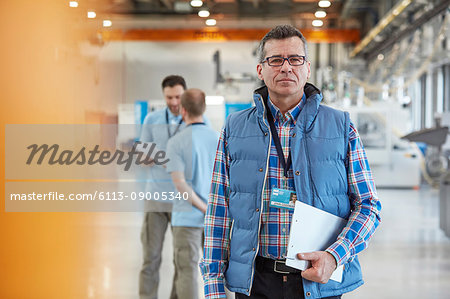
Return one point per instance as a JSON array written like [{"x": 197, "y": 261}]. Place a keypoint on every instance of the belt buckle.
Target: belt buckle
[{"x": 275, "y": 267}]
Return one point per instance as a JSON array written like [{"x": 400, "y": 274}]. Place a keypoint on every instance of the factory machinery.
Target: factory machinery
[{"x": 437, "y": 163}]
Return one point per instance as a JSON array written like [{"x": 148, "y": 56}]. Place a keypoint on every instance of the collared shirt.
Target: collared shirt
[{"x": 275, "y": 223}]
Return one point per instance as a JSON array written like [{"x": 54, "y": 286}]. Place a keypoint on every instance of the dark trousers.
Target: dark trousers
[{"x": 268, "y": 284}]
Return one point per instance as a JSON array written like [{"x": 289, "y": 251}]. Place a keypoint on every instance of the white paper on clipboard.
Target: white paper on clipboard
[{"x": 312, "y": 230}]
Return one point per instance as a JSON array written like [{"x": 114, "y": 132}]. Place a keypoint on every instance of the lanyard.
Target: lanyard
[
  {"x": 276, "y": 139},
  {"x": 168, "y": 127}
]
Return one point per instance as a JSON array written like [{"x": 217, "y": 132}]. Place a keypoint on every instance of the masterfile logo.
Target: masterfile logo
[
  {"x": 95, "y": 156},
  {"x": 78, "y": 151}
]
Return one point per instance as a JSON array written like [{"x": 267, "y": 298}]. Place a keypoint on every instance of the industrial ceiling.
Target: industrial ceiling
[{"x": 379, "y": 23}]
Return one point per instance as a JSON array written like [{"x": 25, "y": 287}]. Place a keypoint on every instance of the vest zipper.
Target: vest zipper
[
  {"x": 261, "y": 207},
  {"x": 231, "y": 234},
  {"x": 309, "y": 173}
]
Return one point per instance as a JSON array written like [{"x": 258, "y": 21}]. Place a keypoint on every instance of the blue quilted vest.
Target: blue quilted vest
[{"x": 319, "y": 150}]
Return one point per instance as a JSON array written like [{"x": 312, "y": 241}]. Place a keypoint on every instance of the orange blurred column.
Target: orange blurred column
[{"x": 42, "y": 255}]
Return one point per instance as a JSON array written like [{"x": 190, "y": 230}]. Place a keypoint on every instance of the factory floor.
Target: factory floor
[{"x": 409, "y": 256}]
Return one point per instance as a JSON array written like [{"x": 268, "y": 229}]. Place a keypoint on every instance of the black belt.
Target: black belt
[{"x": 277, "y": 266}]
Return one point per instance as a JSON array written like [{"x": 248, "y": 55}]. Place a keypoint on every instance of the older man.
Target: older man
[{"x": 287, "y": 141}]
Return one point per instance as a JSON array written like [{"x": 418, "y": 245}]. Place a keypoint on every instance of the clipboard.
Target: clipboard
[{"x": 312, "y": 229}]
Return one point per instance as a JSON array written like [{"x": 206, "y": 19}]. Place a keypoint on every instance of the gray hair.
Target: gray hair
[{"x": 280, "y": 32}]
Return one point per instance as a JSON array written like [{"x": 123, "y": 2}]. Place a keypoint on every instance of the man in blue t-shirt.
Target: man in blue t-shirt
[{"x": 191, "y": 157}]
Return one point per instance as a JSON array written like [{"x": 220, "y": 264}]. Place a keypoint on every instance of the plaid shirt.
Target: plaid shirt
[{"x": 275, "y": 222}]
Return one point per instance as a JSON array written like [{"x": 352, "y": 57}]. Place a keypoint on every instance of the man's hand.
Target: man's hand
[
  {"x": 183, "y": 187},
  {"x": 322, "y": 266}
]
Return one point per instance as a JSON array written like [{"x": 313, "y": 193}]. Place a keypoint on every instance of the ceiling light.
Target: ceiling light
[
  {"x": 317, "y": 23},
  {"x": 320, "y": 14},
  {"x": 196, "y": 3},
  {"x": 91, "y": 14},
  {"x": 107, "y": 23},
  {"x": 203, "y": 13},
  {"x": 211, "y": 22},
  {"x": 324, "y": 3},
  {"x": 73, "y": 4}
]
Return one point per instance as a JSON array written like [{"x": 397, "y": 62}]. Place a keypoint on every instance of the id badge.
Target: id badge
[{"x": 282, "y": 198}]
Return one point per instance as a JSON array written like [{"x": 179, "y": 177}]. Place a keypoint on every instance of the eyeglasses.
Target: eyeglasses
[{"x": 295, "y": 60}]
